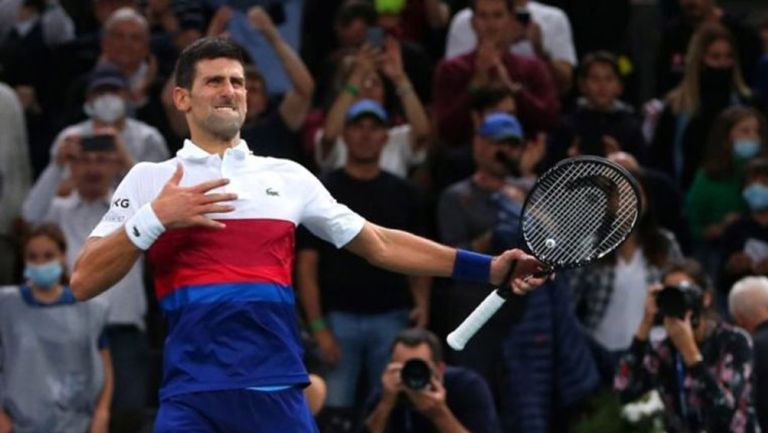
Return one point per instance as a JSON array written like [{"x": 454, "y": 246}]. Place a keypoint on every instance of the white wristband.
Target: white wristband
[{"x": 143, "y": 228}]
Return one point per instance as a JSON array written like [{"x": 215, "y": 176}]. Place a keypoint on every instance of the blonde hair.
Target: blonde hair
[{"x": 685, "y": 97}]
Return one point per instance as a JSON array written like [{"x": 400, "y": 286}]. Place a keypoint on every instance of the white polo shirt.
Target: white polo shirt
[{"x": 227, "y": 293}]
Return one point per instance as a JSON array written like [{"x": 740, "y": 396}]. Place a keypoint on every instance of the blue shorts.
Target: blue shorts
[{"x": 236, "y": 411}]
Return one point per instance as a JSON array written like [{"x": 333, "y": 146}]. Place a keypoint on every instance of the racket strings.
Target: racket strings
[{"x": 579, "y": 214}]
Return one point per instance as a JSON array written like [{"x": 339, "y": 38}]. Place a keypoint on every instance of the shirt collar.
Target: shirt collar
[{"x": 192, "y": 152}]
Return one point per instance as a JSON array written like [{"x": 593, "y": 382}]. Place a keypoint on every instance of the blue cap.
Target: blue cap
[
  {"x": 501, "y": 127},
  {"x": 367, "y": 107}
]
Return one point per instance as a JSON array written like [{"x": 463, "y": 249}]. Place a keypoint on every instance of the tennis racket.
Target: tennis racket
[{"x": 577, "y": 212}]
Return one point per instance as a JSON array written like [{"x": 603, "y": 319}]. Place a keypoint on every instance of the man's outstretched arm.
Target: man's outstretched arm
[{"x": 406, "y": 253}]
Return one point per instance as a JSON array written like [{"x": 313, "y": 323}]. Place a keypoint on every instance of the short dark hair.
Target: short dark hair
[
  {"x": 510, "y": 5},
  {"x": 414, "y": 337},
  {"x": 486, "y": 97},
  {"x": 599, "y": 58},
  {"x": 354, "y": 10},
  {"x": 689, "y": 267},
  {"x": 204, "y": 49}
]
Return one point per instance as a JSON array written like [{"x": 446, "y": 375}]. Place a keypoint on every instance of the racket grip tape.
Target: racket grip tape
[{"x": 469, "y": 327}]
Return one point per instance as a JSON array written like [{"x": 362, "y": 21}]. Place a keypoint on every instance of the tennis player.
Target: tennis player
[{"x": 217, "y": 225}]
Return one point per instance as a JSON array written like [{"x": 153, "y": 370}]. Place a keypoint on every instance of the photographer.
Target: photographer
[
  {"x": 419, "y": 393},
  {"x": 702, "y": 368}
]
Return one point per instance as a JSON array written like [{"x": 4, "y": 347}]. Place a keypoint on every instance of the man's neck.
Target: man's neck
[
  {"x": 488, "y": 181},
  {"x": 362, "y": 170},
  {"x": 212, "y": 144}
]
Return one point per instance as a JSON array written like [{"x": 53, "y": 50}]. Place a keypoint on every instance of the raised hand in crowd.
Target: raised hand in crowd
[
  {"x": 649, "y": 313},
  {"x": 69, "y": 150},
  {"x": 6, "y": 426},
  {"x": 534, "y": 153},
  {"x": 261, "y": 21},
  {"x": 220, "y": 21},
  {"x": 125, "y": 160},
  {"x": 739, "y": 263}
]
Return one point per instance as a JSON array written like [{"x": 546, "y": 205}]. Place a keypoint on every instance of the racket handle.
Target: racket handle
[{"x": 469, "y": 327}]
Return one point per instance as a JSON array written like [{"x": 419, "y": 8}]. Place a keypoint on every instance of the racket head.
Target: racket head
[{"x": 579, "y": 211}]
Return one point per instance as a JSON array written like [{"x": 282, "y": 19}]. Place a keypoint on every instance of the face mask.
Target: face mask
[
  {"x": 716, "y": 79},
  {"x": 106, "y": 108},
  {"x": 44, "y": 276},
  {"x": 745, "y": 148},
  {"x": 756, "y": 196}
]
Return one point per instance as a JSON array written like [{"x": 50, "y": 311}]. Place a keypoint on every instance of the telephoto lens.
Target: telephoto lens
[
  {"x": 416, "y": 374},
  {"x": 676, "y": 301}
]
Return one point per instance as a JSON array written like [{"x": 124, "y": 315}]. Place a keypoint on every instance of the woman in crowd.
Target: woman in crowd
[
  {"x": 713, "y": 81},
  {"x": 56, "y": 374},
  {"x": 714, "y": 199},
  {"x": 608, "y": 295},
  {"x": 702, "y": 368}
]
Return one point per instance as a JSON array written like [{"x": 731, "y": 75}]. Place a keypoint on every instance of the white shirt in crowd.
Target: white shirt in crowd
[
  {"x": 397, "y": 155},
  {"x": 627, "y": 305},
  {"x": 15, "y": 170},
  {"x": 557, "y": 37},
  {"x": 127, "y": 299}
]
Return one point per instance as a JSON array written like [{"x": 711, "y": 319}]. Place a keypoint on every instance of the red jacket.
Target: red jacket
[{"x": 537, "y": 103}]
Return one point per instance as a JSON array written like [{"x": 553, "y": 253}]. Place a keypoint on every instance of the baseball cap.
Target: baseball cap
[
  {"x": 367, "y": 107},
  {"x": 501, "y": 127},
  {"x": 107, "y": 75}
]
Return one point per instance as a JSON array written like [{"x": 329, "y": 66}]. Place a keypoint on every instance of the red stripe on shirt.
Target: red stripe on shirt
[{"x": 248, "y": 250}]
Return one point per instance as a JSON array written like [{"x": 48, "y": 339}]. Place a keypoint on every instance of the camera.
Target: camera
[
  {"x": 98, "y": 142},
  {"x": 416, "y": 374},
  {"x": 676, "y": 301}
]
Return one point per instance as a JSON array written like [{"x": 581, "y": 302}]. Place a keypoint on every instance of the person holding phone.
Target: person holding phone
[{"x": 74, "y": 191}]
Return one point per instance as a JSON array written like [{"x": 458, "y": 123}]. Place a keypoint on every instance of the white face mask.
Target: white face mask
[{"x": 107, "y": 108}]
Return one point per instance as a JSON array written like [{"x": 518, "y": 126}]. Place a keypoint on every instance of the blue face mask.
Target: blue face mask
[
  {"x": 44, "y": 276},
  {"x": 745, "y": 148},
  {"x": 756, "y": 196}
]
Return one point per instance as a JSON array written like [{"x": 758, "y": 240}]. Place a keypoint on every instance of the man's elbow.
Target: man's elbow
[{"x": 80, "y": 286}]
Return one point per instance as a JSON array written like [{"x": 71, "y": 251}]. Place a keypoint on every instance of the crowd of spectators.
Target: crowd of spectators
[{"x": 431, "y": 116}]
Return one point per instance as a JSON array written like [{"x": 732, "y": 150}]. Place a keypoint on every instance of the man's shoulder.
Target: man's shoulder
[
  {"x": 461, "y": 188},
  {"x": 141, "y": 127},
  {"x": 282, "y": 167}
]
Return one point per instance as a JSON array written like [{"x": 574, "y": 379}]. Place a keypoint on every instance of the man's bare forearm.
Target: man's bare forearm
[{"x": 102, "y": 263}]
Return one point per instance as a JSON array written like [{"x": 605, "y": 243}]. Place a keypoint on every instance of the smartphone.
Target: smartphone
[
  {"x": 523, "y": 16},
  {"x": 276, "y": 12},
  {"x": 99, "y": 142},
  {"x": 376, "y": 36}
]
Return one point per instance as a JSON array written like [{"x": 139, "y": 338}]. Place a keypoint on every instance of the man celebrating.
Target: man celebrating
[{"x": 218, "y": 225}]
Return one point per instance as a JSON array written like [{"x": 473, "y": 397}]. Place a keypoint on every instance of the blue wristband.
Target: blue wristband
[{"x": 471, "y": 266}]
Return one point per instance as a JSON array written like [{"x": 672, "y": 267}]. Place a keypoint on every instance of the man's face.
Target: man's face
[
  {"x": 487, "y": 155},
  {"x": 402, "y": 353},
  {"x": 365, "y": 137},
  {"x": 125, "y": 44},
  {"x": 492, "y": 20},
  {"x": 695, "y": 10},
  {"x": 216, "y": 103},
  {"x": 601, "y": 86},
  {"x": 256, "y": 97},
  {"x": 93, "y": 173}
]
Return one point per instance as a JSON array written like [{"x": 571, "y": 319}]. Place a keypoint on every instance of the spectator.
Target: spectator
[
  {"x": 455, "y": 399},
  {"x": 363, "y": 320},
  {"x": 107, "y": 102},
  {"x": 748, "y": 304},
  {"x": 702, "y": 368},
  {"x": 452, "y": 164},
  {"x": 353, "y": 22},
  {"x": 601, "y": 122},
  {"x": 714, "y": 199},
  {"x": 94, "y": 173},
  {"x": 608, "y": 294},
  {"x": 420, "y": 22},
  {"x": 57, "y": 26},
  {"x": 678, "y": 33},
  {"x": 406, "y": 143},
  {"x": 663, "y": 193},
  {"x": 271, "y": 125},
  {"x": 15, "y": 178},
  {"x": 745, "y": 241},
  {"x": 492, "y": 64},
  {"x": 544, "y": 32},
  {"x": 56, "y": 371},
  {"x": 712, "y": 82}
]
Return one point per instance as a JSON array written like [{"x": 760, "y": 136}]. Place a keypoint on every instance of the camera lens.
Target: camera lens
[
  {"x": 416, "y": 374},
  {"x": 671, "y": 302}
]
